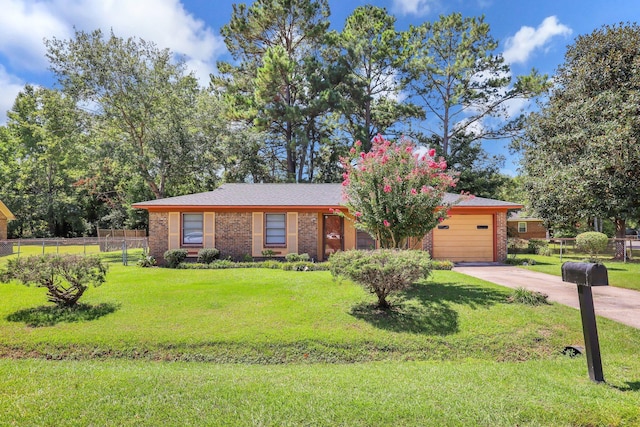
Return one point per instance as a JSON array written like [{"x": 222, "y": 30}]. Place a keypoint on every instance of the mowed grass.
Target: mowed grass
[
  {"x": 269, "y": 347},
  {"x": 621, "y": 274}
]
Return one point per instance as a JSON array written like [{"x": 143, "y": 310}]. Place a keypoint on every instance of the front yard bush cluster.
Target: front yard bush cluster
[{"x": 382, "y": 271}]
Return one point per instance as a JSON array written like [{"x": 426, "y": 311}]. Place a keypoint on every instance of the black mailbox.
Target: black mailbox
[{"x": 585, "y": 274}]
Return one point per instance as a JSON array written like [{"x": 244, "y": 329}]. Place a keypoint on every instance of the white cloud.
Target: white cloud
[
  {"x": 9, "y": 88},
  {"x": 519, "y": 47},
  {"x": 413, "y": 7},
  {"x": 25, "y": 23}
]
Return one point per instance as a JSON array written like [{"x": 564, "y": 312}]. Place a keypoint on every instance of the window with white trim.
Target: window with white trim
[
  {"x": 275, "y": 229},
  {"x": 192, "y": 229},
  {"x": 522, "y": 227}
]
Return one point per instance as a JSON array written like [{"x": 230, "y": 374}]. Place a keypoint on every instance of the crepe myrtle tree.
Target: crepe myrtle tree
[{"x": 394, "y": 192}]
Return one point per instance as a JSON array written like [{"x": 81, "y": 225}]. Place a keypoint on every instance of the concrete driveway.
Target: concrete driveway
[{"x": 621, "y": 305}]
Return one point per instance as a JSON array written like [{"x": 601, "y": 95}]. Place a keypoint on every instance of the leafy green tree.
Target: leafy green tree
[
  {"x": 462, "y": 84},
  {"x": 276, "y": 45},
  {"x": 394, "y": 193},
  {"x": 143, "y": 102},
  {"x": 44, "y": 153},
  {"x": 370, "y": 53},
  {"x": 580, "y": 151}
]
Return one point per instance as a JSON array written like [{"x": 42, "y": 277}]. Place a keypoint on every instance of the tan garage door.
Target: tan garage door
[{"x": 464, "y": 238}]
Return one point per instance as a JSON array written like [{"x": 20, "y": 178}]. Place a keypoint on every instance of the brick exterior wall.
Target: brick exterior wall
[
  {"x": 535, "y": 230},
  {"x": 233, "y": 234},
  {"x": 501, "y": 236},
  {"x": 158, "y": 235},
  {"x": 308, "y": 234},
  {"x": 427, "y": 243}
]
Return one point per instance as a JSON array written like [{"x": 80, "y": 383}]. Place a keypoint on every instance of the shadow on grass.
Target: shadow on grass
[
  {"x": 47, "y": 315},
  {"x": 426, "y": 308}
]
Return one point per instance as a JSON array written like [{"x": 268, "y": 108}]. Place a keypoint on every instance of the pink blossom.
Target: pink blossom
[
  {"x": 432, "y": 152},
  {"x": 358, "y": 143},
  {"x": 440, "y": 219},
  {"x": 352, "y": 151},
  {"x": 362, "y": 155},
  {"x": 358, "y": 214},
  {"x": 345, "y": 182},
  {"x": 414, "y": 191},
  {"x": 386, "y": 223},
  {"x": 387, "y": 188}
]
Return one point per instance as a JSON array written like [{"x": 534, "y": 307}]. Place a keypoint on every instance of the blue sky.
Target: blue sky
[{"x": 532, "y": 34}]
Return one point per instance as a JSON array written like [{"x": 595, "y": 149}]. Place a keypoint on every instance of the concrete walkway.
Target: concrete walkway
[{"x": 621, "y": 305}]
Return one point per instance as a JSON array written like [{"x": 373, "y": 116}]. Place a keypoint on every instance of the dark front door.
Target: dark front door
[{"x": 332, "y": 236}]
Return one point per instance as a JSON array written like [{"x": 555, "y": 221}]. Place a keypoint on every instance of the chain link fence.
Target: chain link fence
[{"x": 127, "y": 249}]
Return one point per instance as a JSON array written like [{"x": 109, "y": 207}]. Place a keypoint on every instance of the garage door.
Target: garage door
[{"x": 464, "y": 238}]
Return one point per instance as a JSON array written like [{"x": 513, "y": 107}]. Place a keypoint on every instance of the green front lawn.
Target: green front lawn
[
  {"x": 621, "y": 274},
  {"x": 270, "y": 347}
]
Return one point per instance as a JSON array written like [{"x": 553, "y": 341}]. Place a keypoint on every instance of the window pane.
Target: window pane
[
  {"x": 522, "y": 227},
  {"x": 192, "y": 229},
  {"x": 275, "y": 229},
  {"x": 364, "y": 240}
]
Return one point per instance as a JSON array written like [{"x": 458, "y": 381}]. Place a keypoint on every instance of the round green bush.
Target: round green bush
[
  {"x": 208, "y": 255},
  {"x": 592, "y": 242},
  {"x": 174, "y": 257},
  {"x": 382, "y": 271}
]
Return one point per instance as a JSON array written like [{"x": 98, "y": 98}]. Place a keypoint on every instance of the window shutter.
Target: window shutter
[
  {"x": 209, "y": 230},
  {"x": 258, "y": 227},
  {"x": 292, "y": 232},
  {"x": 174, "y": 230}
]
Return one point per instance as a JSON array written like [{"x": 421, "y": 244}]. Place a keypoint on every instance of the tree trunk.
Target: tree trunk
[{"x": 620, "y": 234}]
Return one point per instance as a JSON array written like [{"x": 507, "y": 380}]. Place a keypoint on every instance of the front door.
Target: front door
[{"x": 332, "y": 236}]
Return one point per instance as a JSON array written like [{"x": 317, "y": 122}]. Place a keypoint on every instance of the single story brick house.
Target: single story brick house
[
  {"x": 5, "y": 217},
  {"x": 247, "y": 219},
  {"x": 526, "y": 227}
]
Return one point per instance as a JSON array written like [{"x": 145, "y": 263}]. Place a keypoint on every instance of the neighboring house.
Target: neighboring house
[
  {"x": 5, "y": 217},
  {"x": 247, "y": 219},
  {"x": 526, "y": 227}
]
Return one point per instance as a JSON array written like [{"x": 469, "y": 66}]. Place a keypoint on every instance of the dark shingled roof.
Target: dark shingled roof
[{"x": 302, "y": 195}]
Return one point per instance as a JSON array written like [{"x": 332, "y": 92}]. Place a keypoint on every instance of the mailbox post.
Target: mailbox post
[{"x": 586, "y": 275}]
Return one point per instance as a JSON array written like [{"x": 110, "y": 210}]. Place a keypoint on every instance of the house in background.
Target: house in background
[
  {"x": 526, "y": 227},
  {"x": 5, "y": 217},
  {"x": 248, "y": 219}
]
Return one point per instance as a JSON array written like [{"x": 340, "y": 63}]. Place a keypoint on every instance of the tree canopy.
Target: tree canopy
[{"x": 580, "y": 151}]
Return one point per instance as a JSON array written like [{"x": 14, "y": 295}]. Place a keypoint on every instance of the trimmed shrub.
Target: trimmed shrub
[
  {"x": 592, "y": 243},
  {"x": 174, "y": 257},
  {"x": 293, "y": 257},
  {"x": 147, "y": 261},
  {"x": 208, "y": 255},
  {"x": 66, "y": 277},
  {"x": 383, "y": 271}
]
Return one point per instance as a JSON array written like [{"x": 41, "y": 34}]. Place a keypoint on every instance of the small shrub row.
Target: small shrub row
[
  {"x": 271, "y": 264},
  {"x": 175, "y": 257}
]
